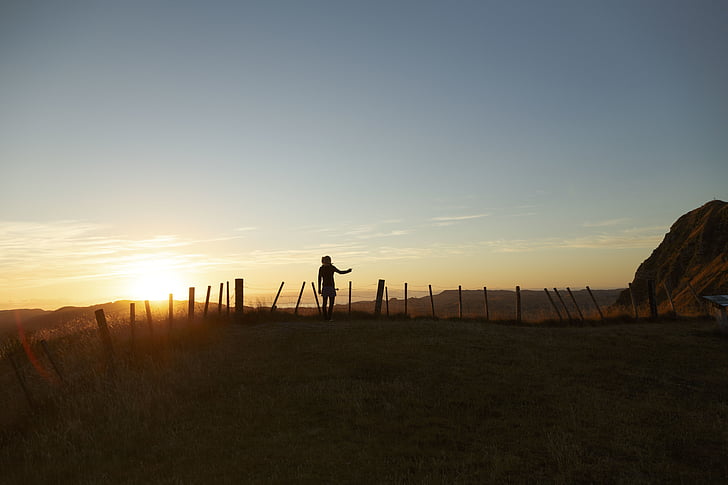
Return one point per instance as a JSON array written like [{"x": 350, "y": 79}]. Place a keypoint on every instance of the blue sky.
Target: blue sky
[{"x": 478, "y": 143}]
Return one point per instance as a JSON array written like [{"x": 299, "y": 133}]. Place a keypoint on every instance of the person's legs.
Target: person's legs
[
  {"x": 329, "y": 295},
  {"x": 331, "y": 307}
]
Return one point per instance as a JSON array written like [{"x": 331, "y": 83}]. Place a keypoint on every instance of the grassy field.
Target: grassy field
[{"x": 367, "y": 401}]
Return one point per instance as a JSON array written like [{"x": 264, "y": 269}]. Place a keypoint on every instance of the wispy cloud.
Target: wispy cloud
[
  {"x": 450, "y": 220},
  {"x": 608, "y": 222},
  {"x": 371, "y": 231},
  {"x": 458, "y": 218}
]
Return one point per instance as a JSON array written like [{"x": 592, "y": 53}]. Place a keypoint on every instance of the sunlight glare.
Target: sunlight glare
[{"x": 154, "y": 280}]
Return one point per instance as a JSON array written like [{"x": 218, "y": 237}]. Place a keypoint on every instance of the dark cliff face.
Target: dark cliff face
[{"x": 694, "y": 252}]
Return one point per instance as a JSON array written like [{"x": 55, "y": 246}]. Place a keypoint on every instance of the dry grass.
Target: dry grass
[{"x": 405, "y": 401}]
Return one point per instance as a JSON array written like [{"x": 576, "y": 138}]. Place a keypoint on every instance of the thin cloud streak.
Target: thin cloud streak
[
  {"x": 458, "y": 218},
  {"x": 608, "y": 223}
]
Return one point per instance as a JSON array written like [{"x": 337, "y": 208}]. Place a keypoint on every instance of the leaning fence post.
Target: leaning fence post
[
  {"x": 47, "y": 352},
  {"x": 518, "y": 304},
  {"x": 432, "y": 302},
  {"x": 601, "y": 315},
  {"x": 380, "y": 295},
  {"x": 386, "y": 300},
  {"x": 581, "y": 315},
  {"x": 219, "y": 300},
  {"x": 273, "y": 307},
  {"x": 563, "y": 303},
  {"x": 553, "y": 303},
  {"x": 300, "y": 294},
  {"x": 315, "y": 295},
  {"x": 21, "y": 381},
  {"x": 207, "y": 301},
  {"x": 105, "y": 337}
]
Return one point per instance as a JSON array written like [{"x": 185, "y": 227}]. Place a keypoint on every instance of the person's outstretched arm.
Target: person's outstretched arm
[{"x": 342, "y": 272}]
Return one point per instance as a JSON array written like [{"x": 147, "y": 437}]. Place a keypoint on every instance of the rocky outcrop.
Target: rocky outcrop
[{"x": 692, "y": 259}]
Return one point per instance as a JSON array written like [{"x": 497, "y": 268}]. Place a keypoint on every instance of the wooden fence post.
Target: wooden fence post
[
  {"x": 105, "y": 337},
  {"x": 518, "y": 304},
  {"x": 485, "y": 302},
  {"x": 594, "y": 300},
  {"x": 273, "y": 307},
  {"x": 47, "y": 352},
  {"x": 300, "y": 294},
  {"x": 350, "y": 298},
  {"x": 652, "y": 298},
  {"x": 380, "y": 295},
  {"x": 460, "y": 301},
  {"x": 148, "y": 308},
  {"x": 432, "y": 303},
  {"x": 634, "y": 301},
  {"x": 553, "y": 303},
  {"x": 386, "y": 300},
  {"x": 315, "y": 295},
  {"x": 227, "y": 297},
  {"x": 171, "y": 310},
  {"x": 405, "y": 300},
  {"x": 239, "y": 297},
  {"x": 191, "y": 304},
  {"x": 132, "y": 322},
  {"x": 21, "y": 381},
  {"x": 563, "y": 303},
  {"x": 581, "y": 315},
  {"x": 207, "y": 301},
  {"x": 219, "y": 300}
]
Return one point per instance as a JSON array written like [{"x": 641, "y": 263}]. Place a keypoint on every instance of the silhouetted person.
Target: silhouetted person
[{"x": 326, "y": 286}]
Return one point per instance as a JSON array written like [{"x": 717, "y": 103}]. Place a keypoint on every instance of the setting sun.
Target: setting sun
[{"x": 153, "y": 279}]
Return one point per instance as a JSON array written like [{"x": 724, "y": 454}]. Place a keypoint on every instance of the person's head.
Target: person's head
[{"x": 326, "y": 260}]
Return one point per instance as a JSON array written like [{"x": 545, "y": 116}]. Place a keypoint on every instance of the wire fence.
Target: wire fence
[{"x": 437, "y": 301}]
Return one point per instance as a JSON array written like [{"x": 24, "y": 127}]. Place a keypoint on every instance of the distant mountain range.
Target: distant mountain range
[
  {"x": 119, "y": 310},
  {"x": 501, "y": 305},
  {"x": 693, "y": 254}
]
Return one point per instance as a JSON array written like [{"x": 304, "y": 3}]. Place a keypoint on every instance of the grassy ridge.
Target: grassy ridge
[{"x": 392, "y": 402}]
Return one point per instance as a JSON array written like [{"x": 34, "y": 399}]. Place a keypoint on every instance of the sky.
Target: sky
[{"x": 148, "y": 147}]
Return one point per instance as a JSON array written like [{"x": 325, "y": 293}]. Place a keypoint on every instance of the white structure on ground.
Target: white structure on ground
[{"x": 720, "y": 303}]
